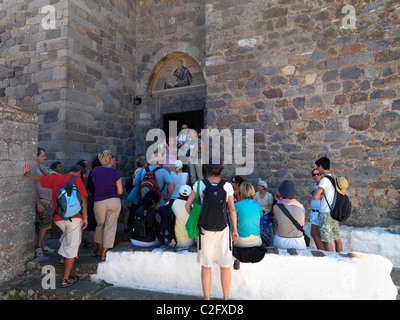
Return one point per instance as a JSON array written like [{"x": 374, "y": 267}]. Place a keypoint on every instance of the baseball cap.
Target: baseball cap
[
  {"x": 178, "y": 164},
  {"x": 185, "y": 190}
]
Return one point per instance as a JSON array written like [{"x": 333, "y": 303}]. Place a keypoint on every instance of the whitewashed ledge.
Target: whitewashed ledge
[
  {"x": 282, "y": 274},
  {"x": 373, "y": 240}
]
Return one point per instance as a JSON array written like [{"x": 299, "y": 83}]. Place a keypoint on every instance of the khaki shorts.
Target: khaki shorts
[
  {"x": 71, "y": 237},
  {"x": 45, "y": 216},
  {"x": 328, "y": 227},
  {"x": 215, "y": 248}
]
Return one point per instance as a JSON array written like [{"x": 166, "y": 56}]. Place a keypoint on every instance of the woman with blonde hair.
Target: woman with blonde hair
[
  {"x": 107, "y": 204},
  {"x": 248, "y": 214}
]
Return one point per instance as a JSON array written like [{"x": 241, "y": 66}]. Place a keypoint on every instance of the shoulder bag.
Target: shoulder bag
[
  {"x": 192, "y": 224},
  {"x": 296, "y": 224}
]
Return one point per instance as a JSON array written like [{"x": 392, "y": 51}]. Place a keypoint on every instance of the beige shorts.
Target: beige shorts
[
  {"x": 215, "y": 248},
  {"x": 71, "y": 237}
]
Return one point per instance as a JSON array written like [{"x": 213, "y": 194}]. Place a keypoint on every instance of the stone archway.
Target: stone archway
[{"x": 161, "y": 104}]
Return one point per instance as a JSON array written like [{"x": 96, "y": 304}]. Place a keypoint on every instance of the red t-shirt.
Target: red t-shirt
[{"x": 55, "y": 183}]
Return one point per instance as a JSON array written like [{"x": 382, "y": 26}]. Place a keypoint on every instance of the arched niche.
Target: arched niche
[{"x": 177, "y": 88}]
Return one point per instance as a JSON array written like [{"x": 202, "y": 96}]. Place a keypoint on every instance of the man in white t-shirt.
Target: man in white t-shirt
[{"x": 328, "y": 226}]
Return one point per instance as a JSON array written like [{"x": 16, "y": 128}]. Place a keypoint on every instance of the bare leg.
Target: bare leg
[
  {"x": 315, "y": 233},
  {"x": 338, "y": 245},
  {"x": 328, "y": 246},
  {"x": 40, "y": 239},
  {"x": 68, "y": 265},
  {"x": 206, "y": 282},
  {"x": 225, "y": 281}
]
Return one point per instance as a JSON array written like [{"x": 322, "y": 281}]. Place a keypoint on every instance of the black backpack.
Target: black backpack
[
  {"x": 341, "y": 210},
  {"x": 214, "y": 215},
  {"x": 139, "y": 229},
  {"x": 165, "y": 224}
]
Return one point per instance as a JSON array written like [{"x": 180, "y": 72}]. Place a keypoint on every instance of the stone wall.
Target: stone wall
[
  {"x": 101, "y": 76},
  {"x": 70, "y": 75},
  {"x": 33, "y": 68},
  {"x": 18, "y": 145},
  {"x": 287, "y": 69},
  {"x": 310, "y": 88}
]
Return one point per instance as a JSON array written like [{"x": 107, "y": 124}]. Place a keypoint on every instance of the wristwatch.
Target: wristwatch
[{"x": 25, "y": 174}]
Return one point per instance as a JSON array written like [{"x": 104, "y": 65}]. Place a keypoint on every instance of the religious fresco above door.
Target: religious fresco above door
[{"x": 178, "y": 72}]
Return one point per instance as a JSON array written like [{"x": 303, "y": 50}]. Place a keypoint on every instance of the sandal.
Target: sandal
[
  {"x": 70, "y": 281},
  {"x": 61, "y": 261},
  {"x": 97, "y": 255},
  {"x": 86, "y": 244}
]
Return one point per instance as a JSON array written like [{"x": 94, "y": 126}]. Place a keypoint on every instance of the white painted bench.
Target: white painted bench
[{"x": 282, "y": 274}]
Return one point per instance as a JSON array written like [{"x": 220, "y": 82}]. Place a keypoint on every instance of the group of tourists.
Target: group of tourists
[
  {"x": 97, "y": 188},
  {"x": 252, "y": 216}
]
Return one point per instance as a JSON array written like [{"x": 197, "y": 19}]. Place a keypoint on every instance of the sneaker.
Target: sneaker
[
  {"x": 47, "y": 249},
  {"x": 39, "y": 253}
]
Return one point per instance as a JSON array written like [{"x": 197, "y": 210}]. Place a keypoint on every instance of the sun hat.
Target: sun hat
[
  {"x": 287, "y": 189},
  {"x": 185, "y": 190},
  {"x": 342, "y": 185},
  {"x": 263, "y": 183}
]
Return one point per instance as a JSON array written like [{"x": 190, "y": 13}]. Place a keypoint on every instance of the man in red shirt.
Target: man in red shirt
[{"x": 71, "y": 237}]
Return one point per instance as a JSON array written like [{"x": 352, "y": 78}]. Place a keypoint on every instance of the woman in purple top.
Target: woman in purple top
[{"x": 107, "y": 204}]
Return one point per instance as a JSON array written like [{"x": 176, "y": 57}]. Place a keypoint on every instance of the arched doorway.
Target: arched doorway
[{"x": 178, "y": 91}]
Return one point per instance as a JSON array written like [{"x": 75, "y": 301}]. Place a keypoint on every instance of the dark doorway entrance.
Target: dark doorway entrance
[{"x": 194, "y": 120}]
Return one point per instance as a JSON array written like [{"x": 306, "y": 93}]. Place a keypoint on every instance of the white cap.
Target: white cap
[
  {"x": 178, "y": 164},
  {"x": 185, "y": 190}
]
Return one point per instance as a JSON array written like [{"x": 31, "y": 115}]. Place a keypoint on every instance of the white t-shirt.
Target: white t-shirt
[
  {"x": 227, "y": 187},
  {"x": 180, "y": 180},
  {"x": 329, "y": 192},
  {"x": 266, "y": 202}
]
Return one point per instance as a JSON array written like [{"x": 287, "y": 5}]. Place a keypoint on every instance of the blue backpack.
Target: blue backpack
[{"x": 69, "y": 201}]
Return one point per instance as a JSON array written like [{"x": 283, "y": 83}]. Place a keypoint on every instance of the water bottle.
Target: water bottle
[{"x": 166, "y": 237}]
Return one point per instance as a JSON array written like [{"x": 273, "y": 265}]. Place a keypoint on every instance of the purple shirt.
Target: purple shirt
[{"x": 104, "y": 180}]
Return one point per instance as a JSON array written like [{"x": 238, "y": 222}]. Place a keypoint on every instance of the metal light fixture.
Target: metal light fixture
[{"x": 137, "y": 100}]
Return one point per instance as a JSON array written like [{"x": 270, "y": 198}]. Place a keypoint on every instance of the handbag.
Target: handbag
[
  {"x": 296, "y": 224},
  {"x": 192, "y": 224}
]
